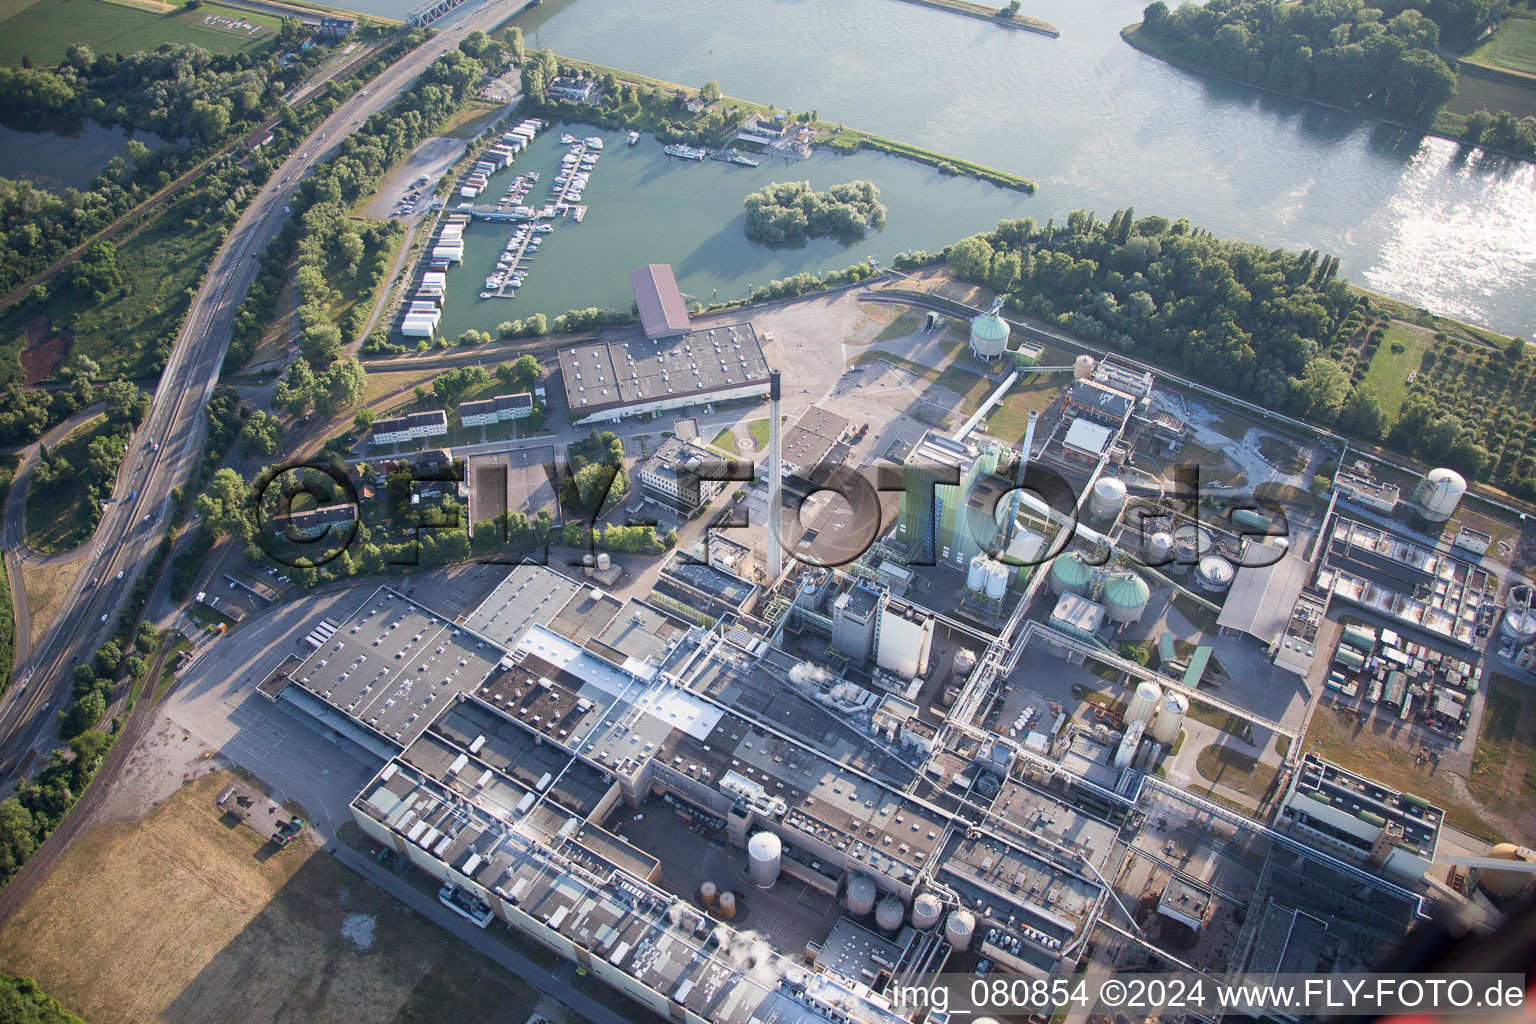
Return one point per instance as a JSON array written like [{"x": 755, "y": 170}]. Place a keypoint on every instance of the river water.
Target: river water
[{"x": 1096, "y": 123}]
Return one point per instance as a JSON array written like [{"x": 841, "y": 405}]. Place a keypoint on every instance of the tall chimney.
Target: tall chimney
[
  {"x": 775, "y": 478},
  {"x": 1013, "y": 503}
]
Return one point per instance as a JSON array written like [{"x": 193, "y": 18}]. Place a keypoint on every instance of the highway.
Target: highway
[{"x": 164, "y": 452}]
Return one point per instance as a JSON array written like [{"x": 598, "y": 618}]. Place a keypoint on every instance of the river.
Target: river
[{"x": 1098, "y": 124}]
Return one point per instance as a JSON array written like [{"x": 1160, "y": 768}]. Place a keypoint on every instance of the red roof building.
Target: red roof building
[{"x": 662, "y": 312}]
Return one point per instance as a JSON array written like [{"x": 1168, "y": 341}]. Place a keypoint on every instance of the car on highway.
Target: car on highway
[
  {"x": 103, "y": 616},
  {"x": 119, "y": 574},
  {"x": 131, "y": 495}
]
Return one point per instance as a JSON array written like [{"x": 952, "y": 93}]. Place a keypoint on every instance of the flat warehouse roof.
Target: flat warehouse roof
[
  {"x": 1261, "y": 598},
  {"x": 602, "y": 376},
  {"x": 662, "y": 312}
]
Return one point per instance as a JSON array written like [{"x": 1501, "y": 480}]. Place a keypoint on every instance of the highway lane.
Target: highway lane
[{"x": 163, "y": 453}]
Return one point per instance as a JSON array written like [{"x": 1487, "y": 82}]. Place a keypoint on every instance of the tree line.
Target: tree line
[
  {"x": 1379, "y": 59},
  {"x": 1271, "y": 326}
]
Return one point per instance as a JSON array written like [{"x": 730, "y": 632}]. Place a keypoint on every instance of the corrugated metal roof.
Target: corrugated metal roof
[{"x": 662, "y": 312}]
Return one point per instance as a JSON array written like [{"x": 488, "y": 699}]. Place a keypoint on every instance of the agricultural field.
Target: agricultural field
[
  {"x": 1489, "y": 394},
  {"x": 202, "y": 928},
  {"x": 1513, "y": 46},
  {"x": 44, "y": 29},
  {"x": 1476, "y": 91}
]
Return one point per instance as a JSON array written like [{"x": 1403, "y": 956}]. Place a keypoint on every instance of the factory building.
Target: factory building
[
  {"x": 1100, "y": 403},
  {"x": 672, "y": 475},
  {"x": 663, "y": 314},
  {"x": 949, "y": 523},
  {"x": 418, "y": 426},
  {"x": 1363, "y": 820},
  {"x": 604, "y": 381},
  {"x": 1359, "y": 487}
]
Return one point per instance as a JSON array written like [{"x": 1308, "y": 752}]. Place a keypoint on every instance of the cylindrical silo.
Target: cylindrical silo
[
  {"x": 889, "y": 914},
  {"x": 1125, "y": 597},
  {"x": 989, "y": 336},
  {"x": 763, "y": 853},
  {"x": 1170, "y": 718},
  {"x": 1507, "y": 883},
  {"x": 1148, "y": 698},
  {"x": 708, "y": 893},
  {"x": 1082, "y": 367},
  {"x": 1070, "y": 574},
  {"x": 1438, "y": 494},
  {"x": 959, "y": 928},
  {"x": 1214, "y": 574},
  {"x": 997, "y": 580},
  {"x": 604, "y": 560},
  {"x": 1107, "y": 498},
  {"x": 1126, "y": 752},
  {"x": 727, "y": 905},
  {"x": 1519, "y": 617},
  {"x": 1159, "y": 548},
  {"x": 927, "y": 909},
  {"x": 976, "y": 576},
  {"x": 861, "y": 895}
]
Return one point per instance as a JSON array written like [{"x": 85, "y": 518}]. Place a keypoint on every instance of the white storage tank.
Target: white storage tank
[
  {"x": 1170, "y": 718},
  {"x": 708, "y": 893},
  {"x": 1519, "y": 617},
  {"x": 959, "y": 928},
  {"x": 1214, "y": 574},
  {"x": 1438, "y": 494},
  {"x": 1107, "y": 498},
  {"x": 1125, "y": 597},
  {"x": 764, "y": 851},
  {"x": 1148, "y": 698},
  {"x": 1159, "y": 548},
  {"x": 976, "y": 577},
  {"x": 927, "y": 909},
  {"x": 604, "y": 560},
  {"x": 997, "y": 580},
  {"x": 726, "y": 906},
  {"x": 861, "y": 895},
  {"x": 889, "y": 914},
  {"x": 1082, "y": 368}
]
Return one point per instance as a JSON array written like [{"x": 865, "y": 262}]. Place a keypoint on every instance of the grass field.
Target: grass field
[
  {"x": 158, "y": 263},
  {"x": 61, "y": 517},
  {"x": 46, "y": 586},
  {"x": 44, "y": 29},
  {"x": 1011, "y": 416},
  {"x": 900, "y": 327},
  {"x": 1402, "y": 349},
  {"x": 202, "y": 929},
  {"x": 1513, "y": 46},
  {"x": 1235, "y": 770}
]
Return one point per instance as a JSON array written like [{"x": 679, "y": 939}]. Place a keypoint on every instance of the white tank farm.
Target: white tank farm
[
  {"x": 1082, "y": 368},
  {"x": 1107, "y": 498},
  {"x": 927, "y": 909},
  {"x": 1148, "y": 698},
  {"x": 764, "y": 851},
  {"x": 959, "y": 928},
  {"x": 997, "y": 580},
  {"x": 1170, "y": 718},
  {"x": 1438, "y": 494},
  {"x": 1215, "y": 574},
  {"x": 1125, "y": 597},
  {"x": 861, "y": 895},
  {"x": 889, "y": 914},
  {"x": 1159, "y": 548},
  {"x": 976, "y": 576}
]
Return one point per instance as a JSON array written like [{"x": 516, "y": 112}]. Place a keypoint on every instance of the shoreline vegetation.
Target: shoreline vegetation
[
  {"x": 997, "y": 17},
  {"x": 1446, "y": 125},
  {"x": 683, "y": 126}
]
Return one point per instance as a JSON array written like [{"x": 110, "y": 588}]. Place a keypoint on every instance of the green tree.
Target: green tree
[
  {"x": 1320, "y": 391},
  {"x": 125, "y": 404},
  {"x": 709, "y": 92},
  {"x": 224, "y": 506},
  {"x": 260, "y": 435},
  {"x": 1361, "y": 413}
]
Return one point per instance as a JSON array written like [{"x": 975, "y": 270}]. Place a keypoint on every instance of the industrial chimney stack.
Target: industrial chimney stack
[
  {"x": 775, "y": 477},
  {"x": 1013, "y": 504}
]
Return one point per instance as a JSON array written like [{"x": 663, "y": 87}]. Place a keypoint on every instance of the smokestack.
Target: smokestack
[
  {"x": 775, "y": 477},
  {"x": 1013, "y": 504}
]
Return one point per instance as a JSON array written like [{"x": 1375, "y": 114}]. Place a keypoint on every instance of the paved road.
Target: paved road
[{"x": 164, "y": 452}]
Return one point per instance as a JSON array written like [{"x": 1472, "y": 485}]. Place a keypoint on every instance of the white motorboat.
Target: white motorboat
[
  {"x": 594, "y": 142},
  {"x": 567, "y": 139}
]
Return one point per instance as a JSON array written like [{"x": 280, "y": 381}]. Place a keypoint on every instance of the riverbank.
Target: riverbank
[
  {"x": 992, "y": 14},
  {"x": 1445, "y": 126},
  {"x": 674, "y": 123}
]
